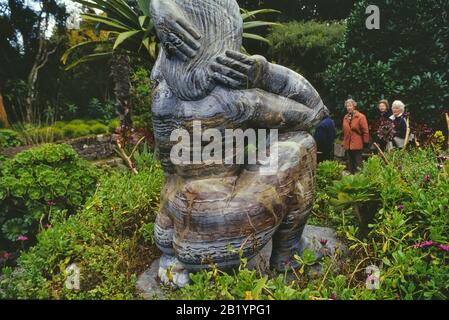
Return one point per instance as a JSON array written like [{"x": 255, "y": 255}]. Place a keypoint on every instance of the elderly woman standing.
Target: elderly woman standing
[
  {"x": 400, "y": 124},
  {"x": 355, "y": 135}
]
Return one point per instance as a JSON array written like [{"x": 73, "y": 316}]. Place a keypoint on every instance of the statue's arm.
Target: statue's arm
[
  {"x": 240, "y": 71},
  {"x": 271, "y": 111}
]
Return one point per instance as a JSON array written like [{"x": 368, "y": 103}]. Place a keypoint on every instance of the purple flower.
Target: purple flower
[
  {"x": 6, "y": 255},
  {"x": 323, "y": 242},
  {"x": 51, "y": 203},
  {"x": 424, "y": 244},
  {"x": 333, "y": 296},
  {"x": 46, "y": 226},
  {"x": 401, "y": 207},
  {"x": 444, "y": 247},
  {"x": 426, "y": 179},
  {"x": 22, "y": 238}
]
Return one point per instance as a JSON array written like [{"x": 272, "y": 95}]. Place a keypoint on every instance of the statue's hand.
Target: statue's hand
[
  {"x": 177, "y": 35},
  {"x": 239, "y": 71}
]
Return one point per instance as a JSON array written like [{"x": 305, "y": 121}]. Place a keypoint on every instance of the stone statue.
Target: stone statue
[{"x": 216, "y": 212}]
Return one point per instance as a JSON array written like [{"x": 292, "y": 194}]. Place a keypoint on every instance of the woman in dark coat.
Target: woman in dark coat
[
  {"x": 400, "y": 124},
  {"x": 324, "y": 136},
  {"x": 383, "y": 125}
]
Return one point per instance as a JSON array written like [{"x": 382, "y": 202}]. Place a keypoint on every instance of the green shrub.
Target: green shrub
[
  {"x": 99, "y": 128},
  {"x": 402, "y": 60},
  {"x": 92, "y": 122},
  {"x": 103, "y": 111},
  {"x": 106, "y": 239},
  {"x": 38, "y": 182},
  {"x": 77, "y": 122},
  {"x": 307, "y": 47},
  {"x": 113, "y": 124},
  {"x": 142, "y": 117},
  {"x": 328, "y": 172},
  {"x": 9, "y": 138},
  {"x": 39, "y": 135},
  {"x": 59, "y": 124},
  {"x": 76, "y": 130}
]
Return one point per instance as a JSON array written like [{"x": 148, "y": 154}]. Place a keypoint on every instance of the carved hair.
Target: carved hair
[{"x": 220, "y": 25}]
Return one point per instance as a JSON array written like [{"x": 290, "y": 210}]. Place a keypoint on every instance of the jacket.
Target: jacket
[
  {"x": 325, "y": 135},
  {"x": 355, "y": 132}
]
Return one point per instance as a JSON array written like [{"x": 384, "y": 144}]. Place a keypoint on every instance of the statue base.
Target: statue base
[{"x": 321, "y": 241}]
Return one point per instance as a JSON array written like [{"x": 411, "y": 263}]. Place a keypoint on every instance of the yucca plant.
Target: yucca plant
[{"x": 129, "y": 28}]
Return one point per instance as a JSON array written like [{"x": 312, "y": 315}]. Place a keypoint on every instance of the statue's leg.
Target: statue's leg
[
  {"x": 163, "y": 232},
  {"x": 217, "y": 218},
  {"x": 288, "y": 241}
]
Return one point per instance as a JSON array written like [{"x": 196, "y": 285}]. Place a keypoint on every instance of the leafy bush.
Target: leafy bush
[
  {"x": 104, "y": 111},
  {"x": 142, "y": 117},
  {"x": 106, "y": 239},
  {"x": 99, "y": 128},
  {"x": 35, "y": 184},
  {"x": 77, "y": 122},
  {"x": 402, "y": 60},
  {"x": 307, "y": 47},
  {"x": 72, "y": 130},
  {"x": 114, "y": 124},
  {"x": 39, "y": 135},
  {"x": 9, "y": 138},
  {"x": 328, "y": 172}
]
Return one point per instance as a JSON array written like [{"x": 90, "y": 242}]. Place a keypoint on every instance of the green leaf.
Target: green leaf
[
  {"x": 105, "y": 20},
  {"x": 69, "y": 51},
  {"x": 90, "y": 57},
  {"x": 144, "y": 6},
  {"x": 248, "y": 14},
  {"x": 123, "y": 36},
  {"x": 256, "y": 24},
  {"x": 256, "y": 37}
]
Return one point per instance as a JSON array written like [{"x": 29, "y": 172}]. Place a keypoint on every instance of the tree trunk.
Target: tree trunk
[
  {"x": 3, "y": 116},
  {"x": 121, "y": 75}
]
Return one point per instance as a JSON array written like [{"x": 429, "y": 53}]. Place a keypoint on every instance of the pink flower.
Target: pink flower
[
  {"x": 444, "y": 247},
  {"x": 6, "y": 255},
  {"x": 333, "y": 296},
  {"x": 22, "y": 238},
  {"x": 426, "y": 179},
  {"x": 323, "y": 242},
  {"x": 401, "y": 207},
  {"x": 51, "y": 203},
  {"x": 46, "y": 226}
]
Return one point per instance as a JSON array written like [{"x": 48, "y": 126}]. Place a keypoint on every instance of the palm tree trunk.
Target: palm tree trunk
[
  {"x": 121, "y": 75},
  {"x": 3, "y": 115}
]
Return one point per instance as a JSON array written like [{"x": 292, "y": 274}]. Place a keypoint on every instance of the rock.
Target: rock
[
  {"x": 149, "y": 285},
  {"x": 322, "y": 241},
  {"x": 172, "y": 273}
]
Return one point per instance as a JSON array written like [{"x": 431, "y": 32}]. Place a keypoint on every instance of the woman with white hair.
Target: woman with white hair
[{"x": 400, "y": 124}]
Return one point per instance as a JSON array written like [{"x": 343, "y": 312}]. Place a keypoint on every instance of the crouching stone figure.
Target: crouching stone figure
[{"x": 215, "y": 211}]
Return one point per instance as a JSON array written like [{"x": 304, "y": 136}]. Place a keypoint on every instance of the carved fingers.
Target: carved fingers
[
  {"x": 240, "y": 68},
  {"x": 178, "y": 36}
]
